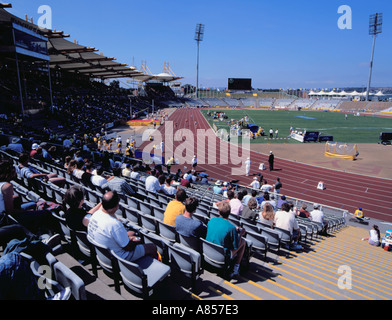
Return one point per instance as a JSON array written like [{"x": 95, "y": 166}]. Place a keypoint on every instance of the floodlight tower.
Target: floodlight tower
[
  {"x": 199, "y": 35},
  {"x": 375, "y": 28}
]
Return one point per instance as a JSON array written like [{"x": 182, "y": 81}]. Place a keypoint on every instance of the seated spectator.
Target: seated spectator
[
  {"x": 33, "y": 221},
  {"x": 303, "y": 213},
  {"x": 255, "y": 184},
  {"x": 268, "y": 200},
  {"x": 161, "y": 180},
  {"x": 249, "y": 211},
  {"x": 33, "y": 151},
  {"x": 222, "y": 232},
  {"x": 317, "y": 215},
  {"x": 184, "y": 182},
  {"x": 18, "y": 281},
  {"x": 265, "y": 187},
  {"x": 76, "y": 216},
  {"x": 175, "y": 207},
  {"x": 374, "y": 237},
  {"x": 235, "y": 203},
  {"x": 247, "y": 197},
  {"x": 217, "y": 189},
  {"x": 267, "y": 216},
  {"x": 281, "y": 201},
  {"x": 46, "y": 156},
  {"x": 87, "y": 175},
  {"x": 28, "y": 172},
  {"x": 98, "y": 179},
  {"x": 119, "y": 185},
  {"x": 285, "y": 220},
  {"x": 105, "y": 229},
  {"x": 72, "y": 167},
  {"x": 16, "y": 146},
  {"x": 126, "y": 172},
  {"x": 79, "y": 170},
  {"x": 186, "y": 225},
  {"x": 152, "y": 183},
  {"x": 168, "y": 189},
  {"x": 67, "y": 160},
  {"x": 135, "y": 173}
]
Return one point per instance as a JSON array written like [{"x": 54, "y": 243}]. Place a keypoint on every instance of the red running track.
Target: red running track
[{"x": 343, "y": 190}]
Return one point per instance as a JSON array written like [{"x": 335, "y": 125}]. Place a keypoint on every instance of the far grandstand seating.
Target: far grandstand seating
[
  {"x": 326, "y": 104},
  {"x": 214, "y": 102},
  {"x": 266, "y": 102},
  {"x": 282, "y": 103},
  {"x": 302, "y": 103},
  {"x": 378, "y": 106},
  {"x": 231, "y": 102}
]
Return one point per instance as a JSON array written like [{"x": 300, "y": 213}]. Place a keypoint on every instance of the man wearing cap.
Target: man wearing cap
[
  {"x": 217, "y": 188},
  {"x": 15, "y": 145},
  {"x": 255, "y": 183},
  {"x": 33, "y": 151}
]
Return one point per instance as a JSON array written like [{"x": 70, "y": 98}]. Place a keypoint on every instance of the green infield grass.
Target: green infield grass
[{"x": 356, "y": 129}]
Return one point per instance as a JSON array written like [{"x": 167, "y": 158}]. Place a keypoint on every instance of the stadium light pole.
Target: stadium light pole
[
  {"x": 375, "y": 28},
  {"x": 199, "y": 35}
]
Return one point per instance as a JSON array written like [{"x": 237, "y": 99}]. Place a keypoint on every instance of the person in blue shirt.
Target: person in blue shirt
[
  {"x": 186, "y": 225},
  {"x": 218, "y": 187},
  {"x": 222, "y": 232}
]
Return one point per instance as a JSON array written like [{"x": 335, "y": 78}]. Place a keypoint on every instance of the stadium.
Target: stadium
[{"x": 71, "y": 116}]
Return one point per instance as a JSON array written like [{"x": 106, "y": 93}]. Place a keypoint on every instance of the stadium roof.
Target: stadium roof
[
  {"x": 343, "y": 93},
  {"x": 72, "y": 57}
]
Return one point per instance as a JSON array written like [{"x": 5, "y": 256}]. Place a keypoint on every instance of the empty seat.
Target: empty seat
[
  {"x": 185, "y": 260},
  {"x": 259, "y": 243},
  {"x": 143, "y": 275},
  {"x": 108, "y": 263},
  {"x": 167, "y": 231},
  {"x": 216, "y": 256},
  {"x": 67, "y": 278}
]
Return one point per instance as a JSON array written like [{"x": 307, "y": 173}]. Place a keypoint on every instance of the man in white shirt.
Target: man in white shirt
[
  {"x": 152, "y": 183},
  {"x": 105, "y": 229},
  {"x": 168, "y": 188},
  {"x": 317, "y": 215},
  {"x": 255, "y": 183},
  {"x": 135, "y": 174},
  {"x": 285, "y": 220},
  {"x": 266, "y": 187},
  {"x": 97, "y": 179},
  {"x": 247, "y": 166}
]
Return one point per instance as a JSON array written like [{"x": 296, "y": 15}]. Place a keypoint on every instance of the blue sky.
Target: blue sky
[{"x": 279, "y": 44}]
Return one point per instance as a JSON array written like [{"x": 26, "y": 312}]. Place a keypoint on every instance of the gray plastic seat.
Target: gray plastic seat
[
  {"x": 167, "y": 231},
  {"x": 148, "y": 222},
  {"x": 216, "y": 255},
  {"x": 273, "y": 238},
  {"x": 191, "y": 242},
  {"x": 108, "y": 263},
  {"x": 67, "y": 278},
  {"x": 185, "y": 260},
  {"x": 143, "y": 275},
  {"x": 259, "y": 243},
  {"x": 86, "y": 248}
]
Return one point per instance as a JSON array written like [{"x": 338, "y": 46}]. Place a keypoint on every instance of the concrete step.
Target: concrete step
[{"x": 96, "y": 289}]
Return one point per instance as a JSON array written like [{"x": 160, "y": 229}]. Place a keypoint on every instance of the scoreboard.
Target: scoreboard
[{"x": 239, "y": 84}]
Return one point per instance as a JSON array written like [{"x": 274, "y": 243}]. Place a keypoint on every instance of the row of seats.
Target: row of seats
[{"x": 145, "y": 217}]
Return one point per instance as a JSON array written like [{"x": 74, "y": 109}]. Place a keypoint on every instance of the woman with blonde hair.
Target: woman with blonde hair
[{"x": 268, "y": 215}]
